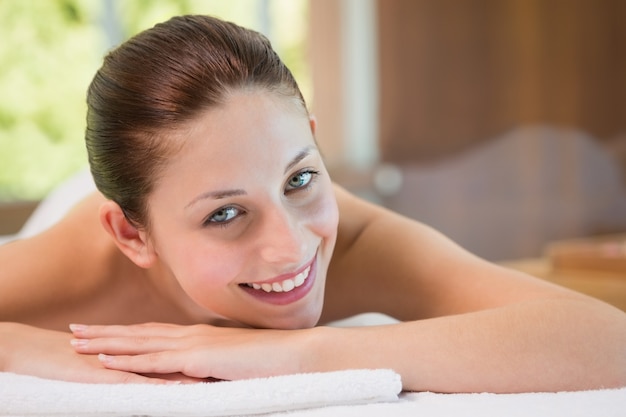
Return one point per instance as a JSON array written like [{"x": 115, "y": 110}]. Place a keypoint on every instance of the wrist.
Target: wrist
[{"x": 327, "y": 349}]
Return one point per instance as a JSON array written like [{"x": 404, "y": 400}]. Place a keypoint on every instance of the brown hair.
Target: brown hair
[{"x": 154, "y": 83}]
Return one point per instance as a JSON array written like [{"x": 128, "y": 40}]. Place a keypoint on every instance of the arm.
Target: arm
[
  {"x": 48, "y": 354},
  {"x": 468, "y": 325}
]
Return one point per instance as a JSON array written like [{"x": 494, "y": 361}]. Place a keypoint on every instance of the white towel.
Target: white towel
[
  {"x": 22, "y": 395},
  {"x": 598, "y": 403}
]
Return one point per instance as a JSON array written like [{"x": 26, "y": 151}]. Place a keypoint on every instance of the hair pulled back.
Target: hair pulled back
[{"x": 154, "y": 83}]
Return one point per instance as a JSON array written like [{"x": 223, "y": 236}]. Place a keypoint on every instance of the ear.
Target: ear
[
  {"x": 313, "y": 123},
  {"x": 130, "y": 240}
]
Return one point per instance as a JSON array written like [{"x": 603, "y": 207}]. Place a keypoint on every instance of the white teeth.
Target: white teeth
[
  {"x": 285, "y": 286},
  {"x": 301, "y": 277},
  {"x": 288, "y": 285}
]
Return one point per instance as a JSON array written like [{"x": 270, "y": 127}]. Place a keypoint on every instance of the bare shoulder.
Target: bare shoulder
[
  {"x": 53, "y": 270},
  {"x": 365, "y": 274},
  {"x": 348, "y": 286},
  {"x": 384, "y": 262}
]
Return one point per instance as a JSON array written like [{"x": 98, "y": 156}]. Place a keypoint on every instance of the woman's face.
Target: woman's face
[{"x": 245, "y": 217}]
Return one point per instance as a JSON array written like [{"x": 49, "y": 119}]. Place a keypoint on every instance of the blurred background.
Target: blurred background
[
  {"x": 50, "y": 50},
  {"x": 501, "y": 123}
]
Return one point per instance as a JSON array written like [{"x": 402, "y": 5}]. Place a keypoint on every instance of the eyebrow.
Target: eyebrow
[
  {"x": 299, "y": 157},
  {"x": 216, "y": 195},
  {"x": 220, "y": 194}
]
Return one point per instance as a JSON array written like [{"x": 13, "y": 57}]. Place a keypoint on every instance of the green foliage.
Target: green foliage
[{"x": 50, "y": 50}]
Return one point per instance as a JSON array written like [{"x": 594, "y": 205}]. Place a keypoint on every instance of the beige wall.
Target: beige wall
[
  {"x": 506, "y": 118},
  {"x": 325, "y": 54}
]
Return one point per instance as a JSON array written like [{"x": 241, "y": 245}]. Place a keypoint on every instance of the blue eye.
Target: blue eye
[
  {"x": 223, "y": 215},
  {"x": 300, "y": 180}
]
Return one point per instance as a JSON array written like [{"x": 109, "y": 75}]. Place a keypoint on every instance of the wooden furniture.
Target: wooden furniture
[
  {"x": 457, "y": 73},
  {"x": 606, "y": 286},
  {"x": 14, "y": 214},
  {"x": 591, "y": 266}
]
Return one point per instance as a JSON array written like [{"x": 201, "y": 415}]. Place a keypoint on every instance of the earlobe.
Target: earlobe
[
  {"x": 130, "y": 240},
  {"x": 313, "y": 124}
]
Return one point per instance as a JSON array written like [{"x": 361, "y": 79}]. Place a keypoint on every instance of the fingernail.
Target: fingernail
[
  {"x": 79, "y": 342},
  {"x": 77, "y": 328},
  {"x": 105, "y": 358}
]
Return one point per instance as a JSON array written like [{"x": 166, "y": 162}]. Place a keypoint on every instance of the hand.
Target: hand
[
  {"x": 198, "y": 351},
  {"x": 48, "y": 354}
]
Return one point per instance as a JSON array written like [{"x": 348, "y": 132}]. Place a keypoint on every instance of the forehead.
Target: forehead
[
  {"x": 251, "y": 127},
  {"x": 244, "y": 110}
]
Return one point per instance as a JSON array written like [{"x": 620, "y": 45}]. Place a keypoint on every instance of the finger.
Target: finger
[
  {"x": 131, "y": 345},
  {"x": 154, "y": 329},
  {"x": 166, "y": 362},
  {"x": 181, "y": 378},
  {"x": 110, "y": 376}
]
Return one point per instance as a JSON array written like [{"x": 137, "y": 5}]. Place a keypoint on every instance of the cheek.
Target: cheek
[
  {"x": 325, "y": 216},
  {"x": 200, "y": 266}
]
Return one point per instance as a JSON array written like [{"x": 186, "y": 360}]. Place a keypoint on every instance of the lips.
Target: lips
[
  {"x": 286, "y": 285},
  {"x": 284, "y": 289}
]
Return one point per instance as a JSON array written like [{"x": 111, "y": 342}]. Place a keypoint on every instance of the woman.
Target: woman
[{"x": 216, "y": 215}]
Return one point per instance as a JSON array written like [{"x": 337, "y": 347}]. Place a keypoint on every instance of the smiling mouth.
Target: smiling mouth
[{"x": 286, "y": 285}]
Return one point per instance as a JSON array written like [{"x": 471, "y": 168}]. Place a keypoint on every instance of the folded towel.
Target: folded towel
[{"x": 22, "y": 395}]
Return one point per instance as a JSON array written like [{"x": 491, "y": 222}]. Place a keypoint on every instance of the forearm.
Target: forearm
[
  {"x": 7, "y": 330},
  {"x": 48, "y": 354},
  {"x": 541, "y": 345},
  {"x": 22, "y": 347}
]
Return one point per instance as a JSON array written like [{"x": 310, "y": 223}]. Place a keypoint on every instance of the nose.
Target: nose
[{"x": 281, "y": 238}]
